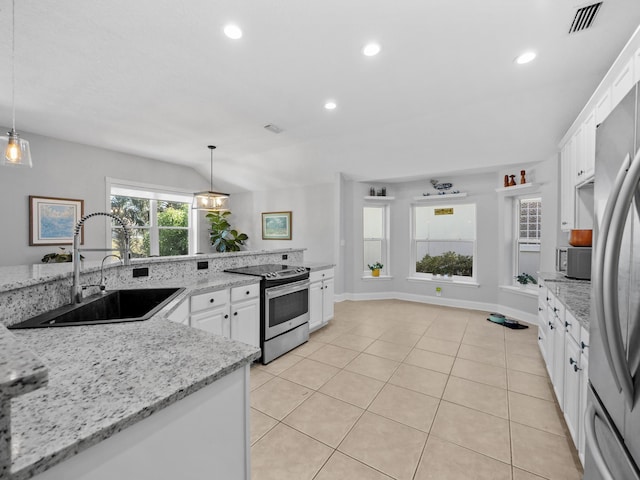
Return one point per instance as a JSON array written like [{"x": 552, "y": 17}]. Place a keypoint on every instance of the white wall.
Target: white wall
[
  {"x": 494, "y": 254},
  {"x": 71, "y": 170},
  {"x": 313, "y": 219}
]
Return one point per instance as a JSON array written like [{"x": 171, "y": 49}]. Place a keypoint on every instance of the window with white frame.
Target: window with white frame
[
  {"x": 375, "y": 233},
  {"x": 528, "y": 219},
  {"x": 444, "y": 241},
  {"x": 160, "y": 222}
]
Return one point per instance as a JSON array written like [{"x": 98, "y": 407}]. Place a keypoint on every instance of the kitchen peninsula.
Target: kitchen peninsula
[{"x": 133, "y": 400}]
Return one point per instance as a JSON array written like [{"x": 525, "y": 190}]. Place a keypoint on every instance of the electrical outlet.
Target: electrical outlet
[
  {"x": 203, "y": 265},
  {"x": 141, "y": 272},
  {"x": 285, "y": 256},
  {"x": 438, "y": 291}
]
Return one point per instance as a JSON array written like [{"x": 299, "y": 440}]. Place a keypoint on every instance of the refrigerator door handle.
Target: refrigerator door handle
[
  {"x": 610, "y": 279},
  {"x": 592, "y": 443},
  {"x": 598, "y": 268}
]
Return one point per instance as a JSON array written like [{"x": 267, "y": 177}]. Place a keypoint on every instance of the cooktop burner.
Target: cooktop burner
[{"x": 268, "y": 270}]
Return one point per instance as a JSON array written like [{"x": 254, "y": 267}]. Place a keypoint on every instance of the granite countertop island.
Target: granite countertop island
[
  {"x": 575, "y": 295},
  {"x": 104, "y": 378}
]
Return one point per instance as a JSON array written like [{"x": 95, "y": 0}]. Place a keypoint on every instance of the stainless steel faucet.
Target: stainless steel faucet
[{"x": 76, "y": 288}]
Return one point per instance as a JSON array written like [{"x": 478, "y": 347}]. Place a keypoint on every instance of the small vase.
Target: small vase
[{"x": 375, "y": 273}]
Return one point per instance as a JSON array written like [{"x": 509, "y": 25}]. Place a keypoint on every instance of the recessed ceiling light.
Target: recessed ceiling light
[
  {"x": 330, "y": 105},
  {"x": 371, "y": 49},
  {"x": 233, "y": 31},
  {"x": 526, "y": 57}
]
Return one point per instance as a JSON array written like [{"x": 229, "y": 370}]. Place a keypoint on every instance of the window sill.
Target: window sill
[
  {"x": 381, "y": 277},
  {"x": 444, "y": 281},
  {"x": 527, "y": 291}
]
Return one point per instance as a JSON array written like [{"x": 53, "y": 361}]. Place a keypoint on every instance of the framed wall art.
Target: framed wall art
[
  {"x": 52, "y": 220},
  {"x": 276, "y": 225}
]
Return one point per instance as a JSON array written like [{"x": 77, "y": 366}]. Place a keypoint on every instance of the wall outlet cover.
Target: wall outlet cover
[
  {"x": 203, "y": 265},
  {"x": 141, "y": 272},
  {"x": 285, "y": 256}
]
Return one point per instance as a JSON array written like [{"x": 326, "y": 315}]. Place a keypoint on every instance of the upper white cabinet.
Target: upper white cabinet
[
  {"x": 567, "y": 186},
  {"x": 603, "y": 106},
  {"x": 586, "y": 156},
  {"x": 622, "y": 83},
  {"x": 321, "y": 298}
]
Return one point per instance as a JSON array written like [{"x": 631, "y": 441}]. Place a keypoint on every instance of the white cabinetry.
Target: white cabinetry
[
  {"x": 321, "y": 298},
  {"x": 564, "y": 346},
  {"x": 622, "y": 83},
  {"x": 232, "y": 313},
  {"x": 567, "y": 186},
  {"x": 586, "y": 154}
]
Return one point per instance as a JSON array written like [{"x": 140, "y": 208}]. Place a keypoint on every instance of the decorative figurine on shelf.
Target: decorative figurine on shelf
[
  {"x": 512, "y": 182},
  {"x": 506, "y": 181},
  {"x": 522, "y": 179},
  {"x": 372, "y": 191}
]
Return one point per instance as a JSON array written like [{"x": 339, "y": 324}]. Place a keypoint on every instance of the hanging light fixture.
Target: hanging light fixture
[
  {"x": 16, "y": 150},
  {"x": 210, "y": 200}
]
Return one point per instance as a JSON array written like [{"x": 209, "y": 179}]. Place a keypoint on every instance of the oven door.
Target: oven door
[{"x": 285, "y": 307}]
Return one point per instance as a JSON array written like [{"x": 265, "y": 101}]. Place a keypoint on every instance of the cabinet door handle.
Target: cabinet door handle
[
  {"x": 226, "y": 316},
  {"x": 235, "y": 314},
  {"x": 576, "y": 368},
  {"x": 539, "y": 309},
  {"x": 248, "y": 292},
  {"x": 583, "y": 345},
  {"x": 571, "y": 361},
  {"x": 567, "y": 324},
  {"x": 211, "y": 300}
]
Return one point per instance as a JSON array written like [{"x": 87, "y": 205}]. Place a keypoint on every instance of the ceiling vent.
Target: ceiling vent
[
  {"x": 584, "y": 17},
  {"x": 272, "y": 127}
]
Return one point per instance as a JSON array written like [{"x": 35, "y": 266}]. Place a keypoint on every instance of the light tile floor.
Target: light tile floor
[{"x": 406, "y": 391}]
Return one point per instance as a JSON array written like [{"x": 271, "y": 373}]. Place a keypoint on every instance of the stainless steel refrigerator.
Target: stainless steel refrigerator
[{"x": 612, "y": 422}]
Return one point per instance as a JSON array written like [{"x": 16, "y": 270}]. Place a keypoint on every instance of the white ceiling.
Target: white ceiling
[{"x": 158, "y": 78}]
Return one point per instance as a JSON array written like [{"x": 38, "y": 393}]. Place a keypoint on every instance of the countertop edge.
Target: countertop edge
[
  {"x": 46, "y": 463},
  {"x": 18, "y": 357}
]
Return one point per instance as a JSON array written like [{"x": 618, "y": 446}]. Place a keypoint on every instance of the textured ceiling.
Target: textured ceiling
[{"x": 158, "y": 78}]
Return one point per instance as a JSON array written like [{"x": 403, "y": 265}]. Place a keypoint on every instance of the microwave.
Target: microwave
[{"x": 574, "y": 262}]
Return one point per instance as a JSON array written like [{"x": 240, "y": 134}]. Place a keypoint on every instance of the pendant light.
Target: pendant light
[
  {"x": 210, "y": 200},
  {"x": 16, "y": 150}
]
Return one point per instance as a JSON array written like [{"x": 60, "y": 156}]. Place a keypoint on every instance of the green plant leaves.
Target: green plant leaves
[{"x": 223, "y": 237}]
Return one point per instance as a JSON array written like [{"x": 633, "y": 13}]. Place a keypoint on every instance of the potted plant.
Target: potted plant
[
  {"x": 375, "y": 269},
  {"x": 223, "y": 237},
  {"x": 524, "y": 279}
]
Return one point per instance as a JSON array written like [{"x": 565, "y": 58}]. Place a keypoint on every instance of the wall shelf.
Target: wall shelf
[
  {"x": 517, "y": 189},
  {"x": 378, "y": 197},
  {"x": 436, "y": 197}
]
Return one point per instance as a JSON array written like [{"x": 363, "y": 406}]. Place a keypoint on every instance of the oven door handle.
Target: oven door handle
[{"x": 286, "y": 289}]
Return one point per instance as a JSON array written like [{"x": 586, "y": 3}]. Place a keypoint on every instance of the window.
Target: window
[
  {"x": 375, "y": 236},
  {"x": 444, "y": 241},
  {"x": 159, "y": 222},
  {"x": 527, "y": 245}
]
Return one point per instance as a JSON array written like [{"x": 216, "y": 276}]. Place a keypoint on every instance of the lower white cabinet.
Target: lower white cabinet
[
  {"x": 321, "y": 298},
  {"x": 233, "y": 313},
  {"x": 564, "y": 345}
]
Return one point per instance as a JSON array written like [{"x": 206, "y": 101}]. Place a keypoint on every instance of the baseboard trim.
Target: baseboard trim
[{"x": 526, "y": 317}]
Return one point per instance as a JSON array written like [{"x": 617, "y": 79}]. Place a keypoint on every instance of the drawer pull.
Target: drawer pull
[
  {"x": 226, "y": 316},
  {"x": 576, "y": 368},
  {"x": 571, "y": 361},
  {"x": 583, "y": 345},
  {"x": 567, "y": 324},
  {"x": 248, "y": 292},
  {"x": 235, "y": 314},
  {"x": 211, "y": 300},
  {"x": 539, "y": 309}
]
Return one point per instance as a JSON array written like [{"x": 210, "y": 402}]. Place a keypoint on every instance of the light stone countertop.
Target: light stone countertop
[
  {"x": 20, "y": 276},
  {"x": 575, "y": 295},
  {"x": 103, "y": 378}
]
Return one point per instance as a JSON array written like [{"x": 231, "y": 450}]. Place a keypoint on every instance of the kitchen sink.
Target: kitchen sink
[{"x": 112, "y": 307}]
